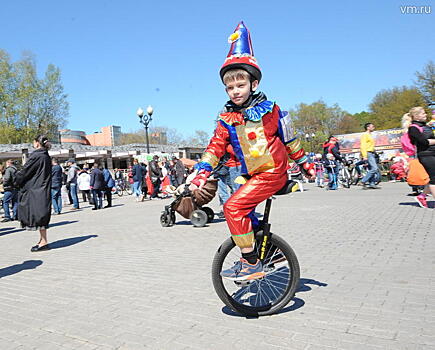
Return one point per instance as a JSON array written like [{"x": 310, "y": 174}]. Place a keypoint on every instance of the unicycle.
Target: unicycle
[{"x": 267, "y": 295}]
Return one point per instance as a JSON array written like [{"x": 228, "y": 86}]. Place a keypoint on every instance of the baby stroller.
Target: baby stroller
[{"x": 190, "y": 205}]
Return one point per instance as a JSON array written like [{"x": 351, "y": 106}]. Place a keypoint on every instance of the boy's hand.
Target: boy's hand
[{"x": 199, "y": 180}]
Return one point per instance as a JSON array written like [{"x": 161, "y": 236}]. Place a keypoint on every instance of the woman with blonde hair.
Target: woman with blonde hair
[{"x": 423, "y": 138}]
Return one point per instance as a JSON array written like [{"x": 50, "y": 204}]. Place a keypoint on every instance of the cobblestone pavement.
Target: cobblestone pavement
[{"x": 118, "y": 280}]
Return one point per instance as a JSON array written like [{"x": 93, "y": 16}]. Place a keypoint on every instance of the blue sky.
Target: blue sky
[{"x": 118, "y": 55}]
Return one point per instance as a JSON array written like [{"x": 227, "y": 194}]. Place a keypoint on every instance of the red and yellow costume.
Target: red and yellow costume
[
  {"x": 264, "y": 154},
  {"x": 262, "y": 139}
]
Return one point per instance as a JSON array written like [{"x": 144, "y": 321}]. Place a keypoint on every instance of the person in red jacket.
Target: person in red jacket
[
  {"x": 398, "y": 170},
  {"x": 263, "y": 141}
]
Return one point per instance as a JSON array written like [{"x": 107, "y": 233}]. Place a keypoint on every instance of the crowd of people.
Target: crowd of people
[{"x": 34, "y": 193}]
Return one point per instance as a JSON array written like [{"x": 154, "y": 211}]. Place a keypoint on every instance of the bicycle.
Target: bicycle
[
  {"x": 122, "y": 187},
  {"x": 272, "y": 292},
  {"x": 344, "y": 176}
]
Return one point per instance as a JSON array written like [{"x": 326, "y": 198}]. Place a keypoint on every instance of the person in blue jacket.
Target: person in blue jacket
[
  {"x": 97, "y": 186},
  {"x": 109, "y": 184}
]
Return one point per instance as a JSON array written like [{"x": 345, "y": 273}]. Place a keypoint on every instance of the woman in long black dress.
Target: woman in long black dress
[{"x": 34, "y": 181}]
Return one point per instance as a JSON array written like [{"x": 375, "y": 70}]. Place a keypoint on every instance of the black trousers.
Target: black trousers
[
  {"x": 156, "y": 190},
  {"x": 108, "y": 193},
  {"x": 428, "y": 163}
]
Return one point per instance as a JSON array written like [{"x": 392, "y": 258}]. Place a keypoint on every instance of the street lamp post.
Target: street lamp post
[
  {"x": 310, "y": 137},
  {"x": 145, "y": 119}
]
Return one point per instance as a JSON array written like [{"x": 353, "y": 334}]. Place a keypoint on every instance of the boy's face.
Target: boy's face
[{"x": 239, "y": 90}]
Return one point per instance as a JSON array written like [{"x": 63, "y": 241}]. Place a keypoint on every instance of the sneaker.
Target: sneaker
[
  {"x": 6, "y": 220},
  {"x": 421, "y": 200},
  {"x": 374, "y": 187},
  {"x": 244, "y": 271}
]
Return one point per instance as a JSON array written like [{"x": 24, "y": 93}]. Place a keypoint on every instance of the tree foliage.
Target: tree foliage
[
  {"x": 156, "y": 135},
  {"x": 321, "y": 120},
  {"x": 388, "y": 106},
  {"x": 30, "y": 105},
  {"x": 426, "y": 83}
]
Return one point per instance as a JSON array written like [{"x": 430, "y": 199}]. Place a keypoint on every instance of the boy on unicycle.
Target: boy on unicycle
[{"x": 263, "y": 141}]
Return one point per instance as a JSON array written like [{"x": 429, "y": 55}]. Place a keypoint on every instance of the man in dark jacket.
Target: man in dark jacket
[
  {"x": 155, "y": 175},
  {"x": 138, "y": 175},
  {"x": 56, "y": 186},
  {"x": 97, "y": 186},
  {"x": 11, "y": 192},
  {"x": 180, "y": 171}
]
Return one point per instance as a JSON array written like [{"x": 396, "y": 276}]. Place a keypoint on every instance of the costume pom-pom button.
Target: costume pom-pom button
[
  {"x": 252, "y": 135},
  {"x": 255, "y": 153}
]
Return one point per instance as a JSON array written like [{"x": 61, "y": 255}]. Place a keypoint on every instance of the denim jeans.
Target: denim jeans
[
  {"x": 235, "y": 171},
  {"x": 10, "y": 197},
  {"x": 226, "y": 181},
  {"x": 98, "y": 198},
  {"x": 56, "y": 199},
  {"x": 73, "y": 191},
  {"x": 373, "y": 169},
  {"x": 137, "y": 188},
  {"x": 332, "y": 180}
]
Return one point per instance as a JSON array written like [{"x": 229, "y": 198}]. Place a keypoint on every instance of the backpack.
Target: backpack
[{"x": 407, "y": 146}]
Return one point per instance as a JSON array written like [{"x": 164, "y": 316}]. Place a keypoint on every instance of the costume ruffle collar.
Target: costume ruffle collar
[{"x": 254, "y": 113}]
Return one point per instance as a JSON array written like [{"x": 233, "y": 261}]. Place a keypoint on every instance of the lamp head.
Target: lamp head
[
  {"x": 150, "y": 110},
  {"x": 140, "y": 112}
]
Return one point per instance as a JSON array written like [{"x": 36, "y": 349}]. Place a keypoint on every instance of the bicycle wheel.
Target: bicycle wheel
[
  {"x": 119, "y": 191},
  {"x": 346, "y": 178},
  {"x": 263, "y": 296}
]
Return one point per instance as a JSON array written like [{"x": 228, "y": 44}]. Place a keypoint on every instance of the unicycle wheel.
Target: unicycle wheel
[{"x": 263, "y": 296}]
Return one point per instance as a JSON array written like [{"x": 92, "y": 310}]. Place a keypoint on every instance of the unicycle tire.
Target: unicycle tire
[{"x": 277, "y": 288}]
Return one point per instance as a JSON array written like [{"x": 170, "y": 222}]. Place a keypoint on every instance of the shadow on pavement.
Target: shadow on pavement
[
  {"x": 26, "y": 265},
  {"x": 188, "y": 222},
  {"x": 60, "y": 223},
  {"x": 411, "y": 204},
  {"x": 9, "y": 230},
  {"x": 117, "y": 205},
  {"x": 304, "y": 284},
  {"x": 430, "y": 204},
  {"x": 297, "y": 302},
  {"x": 69, "y": 241}
]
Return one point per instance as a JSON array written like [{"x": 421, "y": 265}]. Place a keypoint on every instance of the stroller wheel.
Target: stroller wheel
[
  {"x": 198, "y": 218},
  {"x": 209, "y": 212},
  {"x": 166, "y": 220},
  {"x": 172, "y": 218}
]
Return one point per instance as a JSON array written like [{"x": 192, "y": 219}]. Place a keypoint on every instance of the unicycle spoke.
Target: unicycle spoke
[{"x": 274, "y": 290}]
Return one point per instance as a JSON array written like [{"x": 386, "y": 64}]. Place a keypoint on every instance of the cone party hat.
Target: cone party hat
[{"x": 241, "y": 54}]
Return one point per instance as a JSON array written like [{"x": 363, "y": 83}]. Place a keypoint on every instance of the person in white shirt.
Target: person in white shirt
[{"x": 84, "y": 184}]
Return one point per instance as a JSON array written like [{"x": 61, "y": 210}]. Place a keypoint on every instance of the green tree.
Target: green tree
[
  {"x": 363, "y": 118},
  {"x": 319, "y": 119},
  {"x": 29, "y": 105},
  {"x": 426, "y": 83},
  {"x": 388, "y": 106}
]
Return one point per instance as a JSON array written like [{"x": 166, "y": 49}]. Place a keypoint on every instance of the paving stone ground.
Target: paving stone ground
[{"x": 117, "y": 280}]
